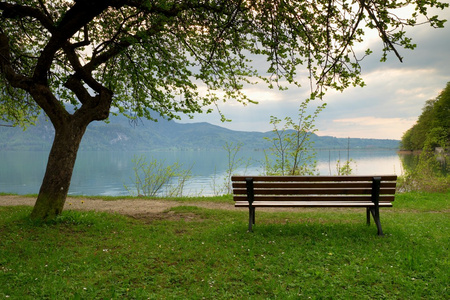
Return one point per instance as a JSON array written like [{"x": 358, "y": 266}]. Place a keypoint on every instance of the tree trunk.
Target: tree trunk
[{"x": 61, "y": 161}]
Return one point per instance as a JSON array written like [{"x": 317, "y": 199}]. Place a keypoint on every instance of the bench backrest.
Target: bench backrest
[{"x": 318, "y": 188}]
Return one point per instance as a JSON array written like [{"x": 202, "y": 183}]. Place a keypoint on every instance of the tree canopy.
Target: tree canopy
[
  {"x": 153, "y": 55},
  {"x": 174, "y": 57},
  {"x": 433, "y": 125}
]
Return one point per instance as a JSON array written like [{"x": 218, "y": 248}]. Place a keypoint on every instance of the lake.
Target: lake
[{"x": 106, "y": 173}]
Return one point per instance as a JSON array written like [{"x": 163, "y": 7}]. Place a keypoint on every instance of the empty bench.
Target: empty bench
[{"x": 371, "y": 192}]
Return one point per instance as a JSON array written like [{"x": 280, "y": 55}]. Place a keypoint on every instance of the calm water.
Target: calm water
[{"x": 105, "y": 173}]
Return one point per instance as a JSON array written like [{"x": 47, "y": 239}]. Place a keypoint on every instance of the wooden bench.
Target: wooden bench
[{"x": 371, "y": 192}]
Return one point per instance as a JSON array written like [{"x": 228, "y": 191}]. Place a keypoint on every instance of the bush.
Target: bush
[{"x": 150, "y": 178}]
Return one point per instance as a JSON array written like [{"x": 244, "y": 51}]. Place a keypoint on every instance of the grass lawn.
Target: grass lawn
[{"x": 196, "y": 253}]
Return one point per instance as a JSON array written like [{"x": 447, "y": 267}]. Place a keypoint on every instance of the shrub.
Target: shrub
[{"x": 151, "y": 177}]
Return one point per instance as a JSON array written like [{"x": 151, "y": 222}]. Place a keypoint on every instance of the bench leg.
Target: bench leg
[
  {"x": 368, "y": 215},
  {"x": 251, "y": 218},
  {"x": 376, "y": 218}
]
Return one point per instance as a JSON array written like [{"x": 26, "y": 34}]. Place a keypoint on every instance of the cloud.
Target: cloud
[
  {"x": 386, "y": 107},
  {"x": 372, "y": 121},
  {"x": 386, "y": 128}
]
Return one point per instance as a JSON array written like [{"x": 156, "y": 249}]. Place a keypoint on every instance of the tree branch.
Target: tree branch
[
  {"x": 40, "y": 93},
  {"x": 15, "y": 79},
  {"x": 78, "y": 16},
  {"x": 383, "y": 33},
  {"x": 13, "y": 11}
]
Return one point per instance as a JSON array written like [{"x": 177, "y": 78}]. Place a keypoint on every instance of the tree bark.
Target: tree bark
[{"x": 61, "y": 161}]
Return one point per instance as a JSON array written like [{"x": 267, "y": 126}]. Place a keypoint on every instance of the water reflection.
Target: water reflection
[
  {"x": 105, "y": 173},
  {"x": 440, "y": 163}
]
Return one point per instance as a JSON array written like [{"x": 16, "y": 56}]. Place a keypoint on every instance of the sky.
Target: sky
[{"x": 385, "y": 108}]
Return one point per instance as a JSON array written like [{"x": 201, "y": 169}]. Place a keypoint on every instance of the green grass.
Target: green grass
[{"x": 196, "y": 253}]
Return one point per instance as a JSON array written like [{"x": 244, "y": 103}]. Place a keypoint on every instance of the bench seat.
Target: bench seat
[{"x": 310, "y": 204}]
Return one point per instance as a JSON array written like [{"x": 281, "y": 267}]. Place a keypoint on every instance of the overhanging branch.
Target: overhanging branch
[{"x": 381, "y": 30}]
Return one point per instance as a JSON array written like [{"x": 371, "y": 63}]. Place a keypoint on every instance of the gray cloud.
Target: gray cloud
[{"x": 385, "y": 108}]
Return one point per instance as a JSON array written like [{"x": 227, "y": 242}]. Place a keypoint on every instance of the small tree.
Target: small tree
[
  {"x": 154, "y": 177},
  {"x": 234, "y": 163},
  {"x": 291, "y": 145},
  {"x": 345, "y": 168}
]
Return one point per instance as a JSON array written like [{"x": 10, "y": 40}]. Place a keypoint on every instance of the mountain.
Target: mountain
[{"x": 122, "y": 134}]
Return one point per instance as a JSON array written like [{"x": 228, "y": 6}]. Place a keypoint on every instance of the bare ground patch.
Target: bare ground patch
[
  {"x": 136, "y": 208},
  {"x": 170, "y": 215}
]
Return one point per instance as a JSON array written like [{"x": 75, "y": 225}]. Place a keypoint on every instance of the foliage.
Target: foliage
[
  {"x": 142, "y": 56},
  {"x": 150, "y": 54},
  {"x": 151, "y": 178},
  {"x": 291, "y": 145},
  {"x": 195, "y": 253},
  {"x": 17, "y": 116},
  {"x": 429, "y": 172},
  {"x": 433, "y": 126},
  {"x": 345, "y": 168}
]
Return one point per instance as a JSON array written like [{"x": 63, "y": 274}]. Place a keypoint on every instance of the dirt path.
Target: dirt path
[
  {"x": 131, "y": 207},
  {"x": 138, "y": 208}
]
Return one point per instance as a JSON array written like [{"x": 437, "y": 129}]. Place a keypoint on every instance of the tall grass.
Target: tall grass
[{"x": 195, "y": 253}]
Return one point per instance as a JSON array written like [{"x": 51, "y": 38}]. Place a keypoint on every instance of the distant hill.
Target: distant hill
[{"x": 120, "y": 134}]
